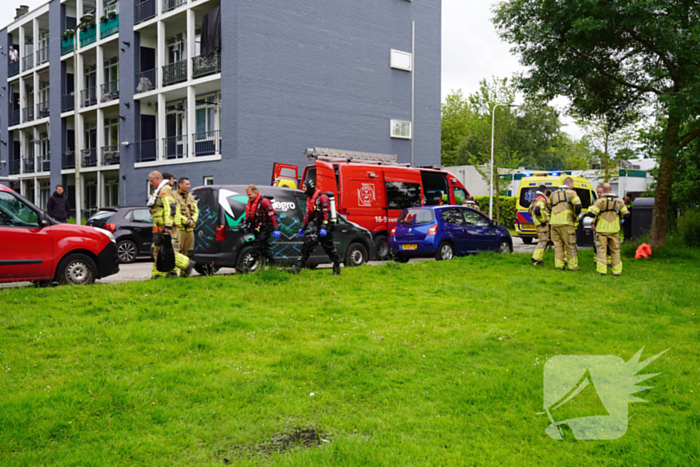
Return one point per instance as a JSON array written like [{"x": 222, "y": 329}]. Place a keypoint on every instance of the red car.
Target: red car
[{"x": 34, "y": 247}]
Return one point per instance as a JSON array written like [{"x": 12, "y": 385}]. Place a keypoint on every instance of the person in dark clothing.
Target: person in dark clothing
[
  {"x": 318, "y": 211},
  {"x": 260, "y": 216},
  {"x": 57, "y": 206}
]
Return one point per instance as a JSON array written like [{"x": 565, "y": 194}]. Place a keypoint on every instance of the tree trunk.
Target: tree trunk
[{"x": 669, "y": 150}]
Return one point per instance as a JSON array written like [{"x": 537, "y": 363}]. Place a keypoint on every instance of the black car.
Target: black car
[
  {"x": 220, "y": 243},
  {"x": 132, "y": 228}
]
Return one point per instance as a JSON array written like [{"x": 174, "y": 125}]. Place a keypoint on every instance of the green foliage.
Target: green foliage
[
  {"x": 71, "y": 220},
  {"x": 422, "y": 364},
  {"x": 689, "y": 227},
  {"x": 456, "y": 117},
  {"x": 508, "y": 209},
  {"x": 612, "y": 59}
]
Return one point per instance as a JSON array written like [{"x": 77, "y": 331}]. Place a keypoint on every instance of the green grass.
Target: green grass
[{"x": 428, "y": 363}]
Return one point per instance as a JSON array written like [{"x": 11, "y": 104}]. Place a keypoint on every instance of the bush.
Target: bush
[
  {"x": 689, "y": 227},
  {"x": 508, "y": 209}
]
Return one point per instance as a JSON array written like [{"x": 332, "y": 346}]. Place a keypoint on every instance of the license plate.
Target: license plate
[{"x": 409, "y": 246}]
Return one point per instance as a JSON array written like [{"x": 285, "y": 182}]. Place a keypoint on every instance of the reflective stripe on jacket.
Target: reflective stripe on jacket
[{"x": 543, "y": 218}]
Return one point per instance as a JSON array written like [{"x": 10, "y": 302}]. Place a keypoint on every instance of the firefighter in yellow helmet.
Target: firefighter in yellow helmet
[
  {"x": 189, "y": 213},
  {"x": 607, "y": 212},
  {"x": 540, "y": 216},
  {"x": 165, "y": 211},
  {"x": 564, "y": 207}
]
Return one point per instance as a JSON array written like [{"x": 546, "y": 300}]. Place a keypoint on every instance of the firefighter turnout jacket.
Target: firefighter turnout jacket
[
  {"x": 539, "y": 210},
  {"x": 607, "y": 212},
  {"x": 564, "y": 206},
  {"x": 318, "y": 210},
  {"x": 166, "y": 210},
  {"x": 260, "y": 213},
  {"x": 188, "y": 210}
]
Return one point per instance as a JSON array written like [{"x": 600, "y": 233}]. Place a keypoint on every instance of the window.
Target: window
[
  {"x": 111, "y": 191},
  {"x": 102, "y": 215},
  {"x": 141, "y": 216},
  {"x": 527, "y": 196},
  {"x": 401, "y": 60},
  {"x": 207, "y": 108},
  {"x": 416, "y": 216},
  {"x": 208, "y": 181},
  {"x": 112, "y": 131},
  {"x": 111, "y": 66},
  {"x": 475, "y": 219},
  {"x": 403, "y": 195},
  {"x": 14, "y": 213},
  {"x": 460, "y": 195},
  {"x": 453, "y": 216},
  {"x": 400, "y": 129},
  {"x": 585, "y": 196}
]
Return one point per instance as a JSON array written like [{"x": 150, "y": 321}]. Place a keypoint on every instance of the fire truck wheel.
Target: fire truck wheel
[{"x": 381, "y": 248}]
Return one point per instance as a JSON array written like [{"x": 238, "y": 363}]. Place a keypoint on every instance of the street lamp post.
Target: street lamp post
[
  {"x": 493, "y": 125},
  {"x": 76, "y": 102}
]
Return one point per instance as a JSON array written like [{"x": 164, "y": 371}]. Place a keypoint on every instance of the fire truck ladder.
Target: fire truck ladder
[{"x": 337, "y": 155}]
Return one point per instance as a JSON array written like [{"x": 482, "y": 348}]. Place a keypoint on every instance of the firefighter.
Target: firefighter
[
  {"x": 564, "y": 207},
  {"x": 170, "y": 178},
  {"x": 607, "y": 213},
  {"x": 540, "y": 216},
  {"x": 165, "y": 211},
  {"x": 318, "y": 211},
  {"x": 260, "y": 216},
  {"x": 189, "y": 213}
]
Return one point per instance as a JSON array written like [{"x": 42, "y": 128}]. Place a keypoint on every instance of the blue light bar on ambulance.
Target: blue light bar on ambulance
[
  {"x": 554, "y": 174},
  {"x": 527, "y": 174}
]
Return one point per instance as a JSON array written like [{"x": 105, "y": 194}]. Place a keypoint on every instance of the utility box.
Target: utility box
[{"x": 642, "y": 213}]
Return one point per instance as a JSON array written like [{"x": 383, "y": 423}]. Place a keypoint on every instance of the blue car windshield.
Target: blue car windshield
[{"x": 416, "y": 216}]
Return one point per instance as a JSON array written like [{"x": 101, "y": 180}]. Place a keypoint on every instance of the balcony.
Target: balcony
[
  {"x": 66, "y": 45},
  {"x": 28, "y": 62},
  {"x": 28, "y": 114},
  {"x": 175, "y": 147},
  {"x": 15, "y": 164},
  {"x": 144, "y": 10},
  {"x": 110, "y": 26},
  {"x": 28, "y": 165},
  {"x": 88, "y": 36},
  {"x": 172, "y": 4},
  {"x": 67, "y": 103},
  {"x": 13, "y": 68},
  {"x": 45, "y": 163},
  {"x": 204, "y": 65},
  {"x": 146, "y": 81},
  {"x": 207, "y": 143},
  {"x": 110, "y": 91},
  {"x": 88, "y": 157},
  {"x": 175, "y": 73},
  {"x": 42, "y": 109},
  {"x": 147, "y": 151},
  {"x": 68, "y": 160},
  {"x": 13, "y": 117},
  {"x": 110, "y": 155},
  {"x": 88, "y": 97},
  {"x": 42, "y": 56}
]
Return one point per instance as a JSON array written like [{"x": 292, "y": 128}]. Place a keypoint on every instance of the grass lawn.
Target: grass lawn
[{"x": 432, "y": 363}]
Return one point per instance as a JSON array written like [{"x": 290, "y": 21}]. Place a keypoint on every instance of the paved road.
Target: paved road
[{"x": 141, "y": 269}]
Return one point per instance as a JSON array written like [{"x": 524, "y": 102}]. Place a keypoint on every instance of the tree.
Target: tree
[
  {"x": 613, "y": 57},
  {"x": 456, "y": 115},
  {"x": 610, "y": 145}
]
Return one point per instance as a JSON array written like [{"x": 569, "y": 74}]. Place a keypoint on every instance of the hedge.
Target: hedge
[{"x": 507, "y": 209}]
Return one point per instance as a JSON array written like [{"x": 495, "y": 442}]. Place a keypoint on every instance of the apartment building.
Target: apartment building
[{"x": 215, "y": 90}]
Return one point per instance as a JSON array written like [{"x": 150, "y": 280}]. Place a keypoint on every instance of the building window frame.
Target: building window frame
[{"x": 397, "y": 129}]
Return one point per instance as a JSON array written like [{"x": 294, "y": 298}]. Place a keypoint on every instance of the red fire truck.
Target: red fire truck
[{"x": 372, "y": 189}]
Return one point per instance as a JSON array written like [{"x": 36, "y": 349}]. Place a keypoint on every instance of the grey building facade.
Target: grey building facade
[{"x": 287, "y": 76}]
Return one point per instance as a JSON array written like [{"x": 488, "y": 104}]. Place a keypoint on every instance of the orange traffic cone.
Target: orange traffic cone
[{"x": 643, "y": 251}]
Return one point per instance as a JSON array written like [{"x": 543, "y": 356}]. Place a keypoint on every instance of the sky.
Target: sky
[{"x": 471, "y": 49}]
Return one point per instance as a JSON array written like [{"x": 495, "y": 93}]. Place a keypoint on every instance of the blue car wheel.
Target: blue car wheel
[{"x": 445, "y": 252}]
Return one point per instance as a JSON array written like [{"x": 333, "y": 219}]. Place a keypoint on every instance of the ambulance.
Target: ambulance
[{"x": 529, "y": 185}]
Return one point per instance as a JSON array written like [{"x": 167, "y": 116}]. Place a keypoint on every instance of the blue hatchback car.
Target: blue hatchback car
[{"x": 445, "y": 232}]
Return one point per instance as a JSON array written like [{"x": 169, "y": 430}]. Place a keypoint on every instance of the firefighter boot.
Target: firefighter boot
[
  {"x": 336, "y": 269},
  {"x": 188, "y": 270}
]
